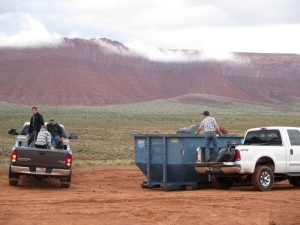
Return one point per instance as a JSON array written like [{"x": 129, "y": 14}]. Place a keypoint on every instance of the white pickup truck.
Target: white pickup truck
[{"x": 268, "y": 155}]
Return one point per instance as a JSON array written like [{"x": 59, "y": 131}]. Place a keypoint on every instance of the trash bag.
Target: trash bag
[
  {"x": 188, "y": 130},
  {"x": 226, "y": 155}
]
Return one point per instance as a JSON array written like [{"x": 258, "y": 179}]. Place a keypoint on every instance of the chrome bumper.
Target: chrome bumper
[
  {"x": 224, "y": 167},
  {"x": 26, "y": 170}
]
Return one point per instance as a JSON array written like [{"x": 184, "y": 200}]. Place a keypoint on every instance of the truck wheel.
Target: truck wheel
[
  {"x": 222, "y": 183},
  {"x": 295, "y": 181},
  {"x": 263, "y": 178},
  {"x": 66, "y": 182},
  {"x": 13, "y": 178},
  {"x": 65, "y": 185}
]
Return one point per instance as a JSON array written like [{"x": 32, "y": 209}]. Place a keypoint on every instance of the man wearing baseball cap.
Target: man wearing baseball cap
[
  {"x": 209, "y": 126},
  {"x": 55, "y": 130}
]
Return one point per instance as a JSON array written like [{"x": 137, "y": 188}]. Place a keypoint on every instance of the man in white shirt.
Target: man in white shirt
[{"x": 209, "y": 126}]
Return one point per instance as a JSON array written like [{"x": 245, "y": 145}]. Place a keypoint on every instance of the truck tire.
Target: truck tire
[
  {"x": 66, "y": 182},
  {"x": 224, "y": 183},
  {"x": 13, "y": 178},
  {"x": 295, "y": 181},
  {"x": 263, "y": 178}
]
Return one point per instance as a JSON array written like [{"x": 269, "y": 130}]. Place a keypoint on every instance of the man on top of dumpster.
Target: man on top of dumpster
[{"x": 210, "y": 127}]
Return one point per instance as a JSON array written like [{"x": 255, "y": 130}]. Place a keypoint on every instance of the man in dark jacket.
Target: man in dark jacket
[
  {"x": 55, "y": 130},
  {"x": 36, "y": 122}
]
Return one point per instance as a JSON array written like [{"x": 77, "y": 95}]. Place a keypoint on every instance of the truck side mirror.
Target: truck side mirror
[
  {"x": 12, "y": 132},
  {"x": 73, "y": 136}
]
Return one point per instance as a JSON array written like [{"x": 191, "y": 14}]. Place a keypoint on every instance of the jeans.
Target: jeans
[
  {"x": 210, "y": 137},
  {"x": 56, "y": 138},
  {"x": 32, "y": 137}
]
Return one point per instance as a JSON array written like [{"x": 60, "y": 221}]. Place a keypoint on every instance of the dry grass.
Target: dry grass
[{"x": 104, "y": 132}]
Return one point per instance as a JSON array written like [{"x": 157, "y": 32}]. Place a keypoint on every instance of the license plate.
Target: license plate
[{"x": 40, "y": 170}]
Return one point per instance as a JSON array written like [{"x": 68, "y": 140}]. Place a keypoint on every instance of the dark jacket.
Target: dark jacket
[
  {"x": 55, "y": 129},
  {"x": 36, "y": 122}
]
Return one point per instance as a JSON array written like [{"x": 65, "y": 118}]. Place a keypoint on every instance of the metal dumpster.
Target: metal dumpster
[{"x": 165, "y": 159}]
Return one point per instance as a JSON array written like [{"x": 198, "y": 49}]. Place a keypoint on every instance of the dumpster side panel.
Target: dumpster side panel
[{"x": 165, "y": 159}]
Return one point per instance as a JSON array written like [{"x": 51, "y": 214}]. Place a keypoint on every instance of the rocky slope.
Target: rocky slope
[{"x": 105, "y": 72}]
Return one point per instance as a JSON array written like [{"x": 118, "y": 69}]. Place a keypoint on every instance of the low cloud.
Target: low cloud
[
  {"x": 178, "y": 55},
  {"x": 112, "y": 46},
  {"x": 27, "y": 33}
]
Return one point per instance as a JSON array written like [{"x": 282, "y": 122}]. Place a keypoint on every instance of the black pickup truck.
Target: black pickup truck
[{"x": 40, "y": 163}]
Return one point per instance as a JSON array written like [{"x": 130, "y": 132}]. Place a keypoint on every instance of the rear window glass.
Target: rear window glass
[
  {"x": 294, "y": 136},
  {"x": 268, "y": 137},
  {"x": 24, "y": 130}
]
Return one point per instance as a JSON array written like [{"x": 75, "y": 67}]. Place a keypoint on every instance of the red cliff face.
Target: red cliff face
[{"x": 84, "y": 72}]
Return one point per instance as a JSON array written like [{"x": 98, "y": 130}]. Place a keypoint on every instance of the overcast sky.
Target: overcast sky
[{"x": 216, "y": 26}]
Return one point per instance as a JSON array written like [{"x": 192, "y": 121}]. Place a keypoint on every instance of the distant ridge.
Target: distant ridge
[{"x": 105, "y": 72}]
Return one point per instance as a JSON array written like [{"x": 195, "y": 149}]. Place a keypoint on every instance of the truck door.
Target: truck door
[{"x": 294, "y": 150}]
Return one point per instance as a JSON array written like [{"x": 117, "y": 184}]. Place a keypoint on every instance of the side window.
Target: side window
[{"x": 294, "y": 136}]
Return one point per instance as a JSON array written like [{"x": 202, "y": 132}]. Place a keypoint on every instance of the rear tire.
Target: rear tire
[
  {"x": 66, "y": 182},
  {"x": 13, "y": 178},
  {"x": 64, "y": 185},
  {"x": 263, "y": 178},
  {"x": 223, "y": 183},
  {"x": 295, "y": 181},
  {"x": 13, "y": 182}
]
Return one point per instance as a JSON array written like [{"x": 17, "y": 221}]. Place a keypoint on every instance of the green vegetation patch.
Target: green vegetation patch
[{"x": 104, "y": 131}]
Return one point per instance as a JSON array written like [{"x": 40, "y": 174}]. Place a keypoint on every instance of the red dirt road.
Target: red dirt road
[{"x": 112, "y": 195}]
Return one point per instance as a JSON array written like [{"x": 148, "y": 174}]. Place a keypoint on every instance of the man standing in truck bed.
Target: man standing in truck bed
[
  {"x": 209, "y": 126},
  {"x": 36, "y": 122}
]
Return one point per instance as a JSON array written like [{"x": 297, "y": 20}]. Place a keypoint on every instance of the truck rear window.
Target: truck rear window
[{"x": 263, "y": 137}]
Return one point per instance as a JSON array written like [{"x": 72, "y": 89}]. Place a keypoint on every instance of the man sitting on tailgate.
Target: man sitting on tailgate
[{"x": 55, "y": 131}]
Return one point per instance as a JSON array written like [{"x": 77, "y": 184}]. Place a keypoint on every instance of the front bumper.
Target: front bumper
[
  {"x": 51, "y": 172},
  {"x": 217, "y": 168}
]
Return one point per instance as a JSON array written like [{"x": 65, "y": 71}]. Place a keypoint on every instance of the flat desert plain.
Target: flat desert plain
[{"x": 113, "y": 195}]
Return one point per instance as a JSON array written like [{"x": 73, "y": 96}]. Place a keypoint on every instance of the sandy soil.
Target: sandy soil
[{"x": 112, "y": 195}]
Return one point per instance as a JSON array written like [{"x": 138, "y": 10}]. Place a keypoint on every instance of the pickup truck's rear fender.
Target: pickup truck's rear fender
[
  {"x": 267, "y": 162},
  {"x": 248, "y": 167}
]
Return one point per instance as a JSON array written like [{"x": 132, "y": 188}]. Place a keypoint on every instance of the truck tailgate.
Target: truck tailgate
[
  {"x": 41, "y": 157},
  {"x": 216, "y": 167}
]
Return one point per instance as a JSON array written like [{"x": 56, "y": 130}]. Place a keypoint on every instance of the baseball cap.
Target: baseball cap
[{"x": 205, "y": 113}]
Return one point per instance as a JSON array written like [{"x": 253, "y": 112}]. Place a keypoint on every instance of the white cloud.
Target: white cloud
[
  {"x": 216, "y": 27},
  {"x": 173, "y": 55},
  {"x": 32, "y": 33}
]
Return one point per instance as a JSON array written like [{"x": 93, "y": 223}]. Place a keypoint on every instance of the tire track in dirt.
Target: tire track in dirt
[{"x": 263, "y": 218}]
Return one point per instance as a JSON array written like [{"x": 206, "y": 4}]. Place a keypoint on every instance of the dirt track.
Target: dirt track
[{"x": 112, "y": 195}]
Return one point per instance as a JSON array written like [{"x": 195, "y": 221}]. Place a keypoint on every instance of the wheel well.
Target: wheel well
[{"x": 267, "y": 162}]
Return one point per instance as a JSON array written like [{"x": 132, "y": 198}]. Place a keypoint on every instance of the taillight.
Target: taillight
[
  {"x": 69, "y": 160},
  {"x": 198, "y": 154},
  {"x": 237, "y": 155},
  {"x": 14, "y": 155}
]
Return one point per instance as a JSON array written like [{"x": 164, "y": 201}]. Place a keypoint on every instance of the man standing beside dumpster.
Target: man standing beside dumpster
[{"x": 209, "y": 126}]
